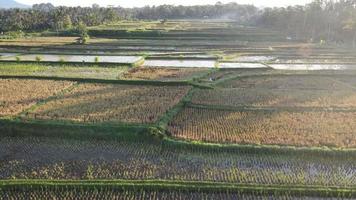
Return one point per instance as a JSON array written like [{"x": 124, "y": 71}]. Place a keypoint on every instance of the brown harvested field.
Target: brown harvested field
[
  {"x": 276, "y": 98},
  {"x": 20, "y": 94},
  {"x": 38, "y": 41},
  {"x": 163, "y": 74},
  {"x": 337, "y": 129},
  {"x": 96, "y": 103},
  {"x": 285, "y": 82}
]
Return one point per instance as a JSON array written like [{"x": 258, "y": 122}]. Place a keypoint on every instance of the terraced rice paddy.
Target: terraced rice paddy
[
  {"x": 237, "y": 65},
  {"x": 95, "y": 103},
  {"x": 309, "y": 129},
  {"x": 18, "y": 95},
  {"x": 118, "y": 194},
  {"x": 213, "y": 104},
  {"x": 164, "y": 74},
  {"x": 316, "y": 60},
  {"x": 75, "y": 58},
  {"x": 253, "y": 58},
  {"x": 63, "y": 71},
  {"x": 312, "y": 66},
  {"x": 309, "y": 82},
  {"x": 5, "y": 55},
  {"x": 257, "y": 97},
  {"x": 180, "y": 63},
  {"x": 51, "y": 159}
]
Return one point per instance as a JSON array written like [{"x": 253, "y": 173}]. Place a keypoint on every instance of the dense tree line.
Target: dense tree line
[
  {"x": 326, "y": 20},
  {"x": 46, "y": 16},
  {"x": 241, "y": 13},
  {"x": 322, "y": 20}
]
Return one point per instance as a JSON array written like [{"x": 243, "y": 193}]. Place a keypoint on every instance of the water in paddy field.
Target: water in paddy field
[
  {"x": 241, "y": 65},
  {"x": 76, "y": 58},
  {"x": 312, "y": 66},
  {"x": 180, "y": 63},
  {"x": 5, "y": 55},
  {"x": 254, "y": 58},
  {"x": 315, "y": 61},
  {"x": 201, "y": 64}
]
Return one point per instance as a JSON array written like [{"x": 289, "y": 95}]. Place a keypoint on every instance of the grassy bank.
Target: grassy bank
[{"x": 161, "y": 185}]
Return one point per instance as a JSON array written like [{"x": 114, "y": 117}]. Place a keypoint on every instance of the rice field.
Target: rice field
[
  {"x": 118, "y": 194},
  {"x": 309, "y": 67},
  {"x": 87, "y": 159},
  {"x": 258, "y": 97},
  {"x": 239, "y": 65},
  {"x": 63, "y": 71},
  {"x": 180, "y": 63},
  {"x": 17, "y": 95},
  {"x": 164, "y": 74},
  {"x": 194, "y": 102},
  {"x": 97, "y": 103},
  {"x": 309, "y": 82},
  {"x": 302, "y": 128},
  {"x": 74, "y": 58}
]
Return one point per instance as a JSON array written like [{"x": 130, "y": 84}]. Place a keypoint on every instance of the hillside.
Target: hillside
[{"x": 12, "y": 4}]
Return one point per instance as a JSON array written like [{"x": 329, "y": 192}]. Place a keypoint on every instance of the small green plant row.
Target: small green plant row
[
  {"x": 186, "y": 186},
  {"x": 61, "y": 60},
  {"x": 104, "y": 81}
]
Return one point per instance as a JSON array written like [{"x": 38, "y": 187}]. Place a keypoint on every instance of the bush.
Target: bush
[
  {"x": 14, "y": 35},
  {"x": 61, "y": 60},
  {"x": 156, "y": 132},
  {"x": 38, "y": 58}
]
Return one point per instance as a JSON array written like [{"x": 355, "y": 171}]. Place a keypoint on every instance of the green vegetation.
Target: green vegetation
[
  {"x": 208, "y": 187},
  {"x": 38, "y": 58},
  {"x": 83, "y": 33},
  {"x": 62, "y": 70}
]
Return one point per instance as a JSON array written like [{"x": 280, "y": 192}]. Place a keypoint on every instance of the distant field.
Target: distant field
[
  {"x": 38, "y": 41},
  {"x": 18, "y": 95},
  {"x": 164, "y": 74},
  {"x": 266, "y": 127},
  {"x": 66, "y": 71},
  {"x": 95, "y": 103},
  {"x": 285, "y": 82}
]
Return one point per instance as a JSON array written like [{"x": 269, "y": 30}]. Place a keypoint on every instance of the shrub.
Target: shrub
[{"x": 38, "y": 58}]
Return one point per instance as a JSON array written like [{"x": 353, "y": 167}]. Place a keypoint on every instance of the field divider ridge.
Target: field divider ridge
[
  {"x": 73, "y": 131},
  {"x": 104, "y": 81},
  {"x": 272, "y": 108},
  {"x": 188, "y": 186},
  {"x": 163, "y": 122}
]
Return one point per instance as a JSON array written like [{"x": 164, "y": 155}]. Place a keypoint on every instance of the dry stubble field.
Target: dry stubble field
[
  {"x": 96, "y": 103},
  {"x": 18, "y": 95}
]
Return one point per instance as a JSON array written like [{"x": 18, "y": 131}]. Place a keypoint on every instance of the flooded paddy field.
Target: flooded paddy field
[
  {"x": 180, "y": 63},
  {"x": 74, "y": 58}
]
